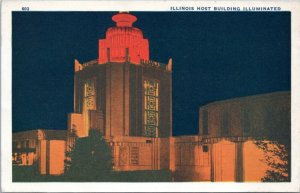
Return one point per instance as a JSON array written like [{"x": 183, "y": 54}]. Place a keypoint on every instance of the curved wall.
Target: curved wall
[
  {"x": 264, "y": 115},
  {"x": 225, "y": 148}
]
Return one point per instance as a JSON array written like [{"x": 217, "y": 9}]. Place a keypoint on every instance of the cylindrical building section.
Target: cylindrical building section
[{"x": 266, "y": 115}]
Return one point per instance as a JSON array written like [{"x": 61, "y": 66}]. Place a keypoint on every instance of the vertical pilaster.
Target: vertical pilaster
[
  {"x": 47, "y": 157},
  {"x": 212, "y": 165},
  {"x": 108, "y": 101},
  {"x": 239, "y": 167},
  {"x": 172, "y": 154},
  {"x": 171, "y": 107},
  {"x": 126, "y": 98}
]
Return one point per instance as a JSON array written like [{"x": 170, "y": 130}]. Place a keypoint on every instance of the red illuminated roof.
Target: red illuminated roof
[
  {"x": 124, "y": 19},
  {"x": 123, "y": 42}
]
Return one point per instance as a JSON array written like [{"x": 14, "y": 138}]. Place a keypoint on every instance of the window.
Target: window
[
  {"x": 151, "y": 115},
  {"x": 27, "y": 144},
  {"x": 90, "y": 95},
  {"x": 225, "y": 121},
  {"x": 205, "y": 122},
  {"x": 246, "y": 122},
  {"x": 23, "y": 144},
  {"x": 270, "y": 118},
  {"x": 206, "y": 159},
  {"x": 89, "y": 101},
  {"x": 15, "y": 145}
]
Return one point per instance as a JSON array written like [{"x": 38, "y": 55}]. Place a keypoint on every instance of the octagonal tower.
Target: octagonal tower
[{"x": 123, "y": 93}]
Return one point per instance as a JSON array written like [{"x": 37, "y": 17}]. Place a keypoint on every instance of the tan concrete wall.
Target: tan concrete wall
[
  {"x": 43, "y": 157},
  {"x": 52, "y": 155},
  {"x": 140, "y": 153},
  {"x": 267, "y": 114},
  {"x": 219, "y": 163},
  {"x": 57, "y": 157},
  {"x": 254, "y": 162},
  {"x": 224, "y": 161},
  {"x": 76, "y": 123},
  {"x": 190, "y": 162},
  {"x": 117, "y": 100}
]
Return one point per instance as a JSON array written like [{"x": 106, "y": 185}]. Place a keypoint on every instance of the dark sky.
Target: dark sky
[{"x": 216, "y": 56}]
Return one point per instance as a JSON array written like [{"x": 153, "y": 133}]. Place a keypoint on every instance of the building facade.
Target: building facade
[
  {"x": 43, "y": 148},
  {"x": 128, "y": 98},
  {"x": 225, "y": 149},
  {"x": 123, "y": 93}
]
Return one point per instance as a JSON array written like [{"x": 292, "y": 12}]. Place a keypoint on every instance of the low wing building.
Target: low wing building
[{"x": 44, "y": 149}]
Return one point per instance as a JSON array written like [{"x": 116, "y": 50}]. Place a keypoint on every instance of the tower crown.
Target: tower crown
[
  {"x": 124, "y": 19},
  {"x": 123, "y": 42}
]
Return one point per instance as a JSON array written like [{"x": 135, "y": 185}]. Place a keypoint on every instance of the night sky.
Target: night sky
[{"x": 216, "y": 56}]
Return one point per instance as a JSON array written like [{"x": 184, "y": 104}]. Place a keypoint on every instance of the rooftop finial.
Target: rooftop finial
[{"x": 124, "y": 19}]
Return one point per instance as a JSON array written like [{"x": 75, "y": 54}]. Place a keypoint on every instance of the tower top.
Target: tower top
[
  {"x": 123, "y": 42},
  {"x": 124, "y": 19}
]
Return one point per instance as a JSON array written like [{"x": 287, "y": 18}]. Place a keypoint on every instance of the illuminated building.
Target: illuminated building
[
  {"x": 128, "y": 97},
  {"x": 43, "y": 148},
  {"x": 225, "y": 150},
  {"x": 122, "y": 93}
]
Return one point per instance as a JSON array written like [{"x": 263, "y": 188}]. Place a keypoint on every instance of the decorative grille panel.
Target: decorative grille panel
[
  {"x": 151, "y": 114},
  {"x": 90, "y": 95},
  {"x": 134, "y": 156}
]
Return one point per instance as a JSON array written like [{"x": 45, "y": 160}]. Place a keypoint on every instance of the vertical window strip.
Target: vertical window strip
[
  {"x": 246, "y": 124},
  {"x": 205, "y": 122},
  {"x": 151, "y": 114},
  {"x": 225, "y": 122},
  {"x": 90, "y": 95}
]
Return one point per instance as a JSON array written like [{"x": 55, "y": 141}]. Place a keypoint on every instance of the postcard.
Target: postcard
[{"x": 150, "y": 96}]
